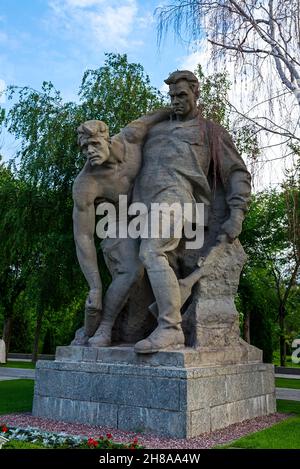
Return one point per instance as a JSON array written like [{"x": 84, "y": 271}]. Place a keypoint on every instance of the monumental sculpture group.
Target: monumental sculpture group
[{"x": 167, "y": 328}]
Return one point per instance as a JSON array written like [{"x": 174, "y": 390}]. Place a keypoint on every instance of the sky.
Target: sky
[{"x": 57, "y": 40}]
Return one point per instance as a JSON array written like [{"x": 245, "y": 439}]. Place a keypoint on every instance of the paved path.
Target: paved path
[
  {"x": 16, "y": 373},
  {"x": 288, "y": 394},
  {"x": 281, "y": 375}
]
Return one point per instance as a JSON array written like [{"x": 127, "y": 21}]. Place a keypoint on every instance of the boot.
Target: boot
[
  {"x": 161, "y": 338},
  {"x": 92, "y": 319},
  {"x": 102, "y": 337},
  {"x": 168, "y": 334},
  {"x": 80, "y": 339}
]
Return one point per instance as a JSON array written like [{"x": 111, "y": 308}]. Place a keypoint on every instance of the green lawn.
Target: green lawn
[
  {"x": 288, "y": 362},
  {"x": 287, "y": 383},
  {"x": 16, "y": 395},
  {"x": 13, "y": 364},
  {"x": 288, "y": 407},
  {"x": 283, "y": 435},
  {"x": 15, "y": 444}
]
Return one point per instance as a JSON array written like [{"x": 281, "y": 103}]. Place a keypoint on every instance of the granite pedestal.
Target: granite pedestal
[{"x": 178, "y": 393}]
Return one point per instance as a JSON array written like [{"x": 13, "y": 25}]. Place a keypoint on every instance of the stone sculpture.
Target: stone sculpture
[
  {"x": 180, "y": 314},
  {"x": 171, "y": 156}
]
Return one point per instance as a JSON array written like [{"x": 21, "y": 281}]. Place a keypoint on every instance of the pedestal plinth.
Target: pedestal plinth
[{"x": 178, "y": 393}]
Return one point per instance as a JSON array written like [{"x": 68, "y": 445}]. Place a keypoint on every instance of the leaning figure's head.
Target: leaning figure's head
[
  {"x": 93, "y": 138},
  {"x": 184, "y": 93}
]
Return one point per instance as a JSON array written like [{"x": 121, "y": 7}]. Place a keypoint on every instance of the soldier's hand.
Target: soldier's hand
[
  {"x": 94, "y": 300},
  {"x": 232, "y": 227}
]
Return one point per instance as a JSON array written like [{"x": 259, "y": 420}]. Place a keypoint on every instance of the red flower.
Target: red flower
[
  {"x": 135, "y": 441},
  {"x": 92, "y": 443},
  {"x": 109, "y": 435},
  {"x": 101, "y": 437},
  {"x": 4, "y": 429}
]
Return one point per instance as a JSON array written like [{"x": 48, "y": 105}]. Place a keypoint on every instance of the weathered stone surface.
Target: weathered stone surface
[
  {"x": 70, "y": 410},
  {"x": 161, "y": 422},
  {"x": 203, "y": 392},
  {"x": 181, "y": 401},
  {"x": 219, "y": 417},
  {"x": 241, "y": 386},
  {"x": 241, "y": 352},
  {"x": 199, "y": 422}
]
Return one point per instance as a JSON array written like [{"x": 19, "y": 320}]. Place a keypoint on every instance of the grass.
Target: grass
[
  {"x": 288, "y": 361},
  {"x": 283, "y": 435},
  {"x": 16, "y": 395},
  {"x": 16, "y": 364},
  {"x": 288, "y": 407},
  {"x": 287, "y": 383},
  {"x": 15, "y": 444}
]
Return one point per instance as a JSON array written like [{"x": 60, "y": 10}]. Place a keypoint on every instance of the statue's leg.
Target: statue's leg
[
  {"x": 127, "y": 269},
  {"x": 164, "y": 283}
]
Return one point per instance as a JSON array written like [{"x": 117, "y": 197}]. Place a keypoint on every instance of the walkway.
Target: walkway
[
  {"x": 16, "y": 373},
  {"x": 288, "y": 394}
]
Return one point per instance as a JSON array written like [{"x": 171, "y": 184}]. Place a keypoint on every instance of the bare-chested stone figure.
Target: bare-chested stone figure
[{"x": 110, "y": 169}]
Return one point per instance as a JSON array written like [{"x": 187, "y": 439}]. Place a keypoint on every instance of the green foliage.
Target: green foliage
[
  {"x": 283, "y": 435},
  {"x": 49, "y": 156},
  {"x": 16, "y": 395},
  {"x": 289, "y": 363},
  {"x": 288, "y": 407},
  {"x": 266, "y": 287},
  {"x": 287, "y": 383},
  {"x": 118, "y": 92},
  {"x": 258, "y": 301},
  {"x": 15, "y": 444},
  {"x": 214, "y": 105},
  {"x": 213, "y": 96},
  {"x": 41, "y": 284},
  {"x": 18, "y": 364}
]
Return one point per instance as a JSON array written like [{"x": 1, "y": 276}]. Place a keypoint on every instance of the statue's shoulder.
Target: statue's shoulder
[{"x": 214, "y": 130}]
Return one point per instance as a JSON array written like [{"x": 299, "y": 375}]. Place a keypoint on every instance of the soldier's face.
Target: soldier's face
[
  {"x": 96, "y": 150},
  {"x": 183, "y": 100}
]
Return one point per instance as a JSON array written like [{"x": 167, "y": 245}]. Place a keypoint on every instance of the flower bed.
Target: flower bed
[{"x": 63, "y": 440}]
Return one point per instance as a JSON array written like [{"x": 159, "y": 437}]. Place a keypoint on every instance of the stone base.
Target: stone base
[{"x": 178, "y": 394}]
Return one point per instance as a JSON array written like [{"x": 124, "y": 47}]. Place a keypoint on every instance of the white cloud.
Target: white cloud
[
  {"x": 96, "y": 23},
  {"x": 83, "y": 3}
]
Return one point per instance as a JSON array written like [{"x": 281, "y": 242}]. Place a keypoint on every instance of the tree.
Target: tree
[
  {"x": 39, "y": 214},
  {"x": 262, "y": 39},
  {"x": 214, "y": 105},
  {"x": 15, "y": 245},
  {"x": 258, "y": 305},
  {"x": 271, "y": 239}
]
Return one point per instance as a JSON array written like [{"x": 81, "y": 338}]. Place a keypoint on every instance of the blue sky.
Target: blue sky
[{"x": 57, "y": 40}]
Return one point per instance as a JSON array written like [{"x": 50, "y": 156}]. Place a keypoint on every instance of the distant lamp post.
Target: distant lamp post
[{"x": 2, "y": 351}]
